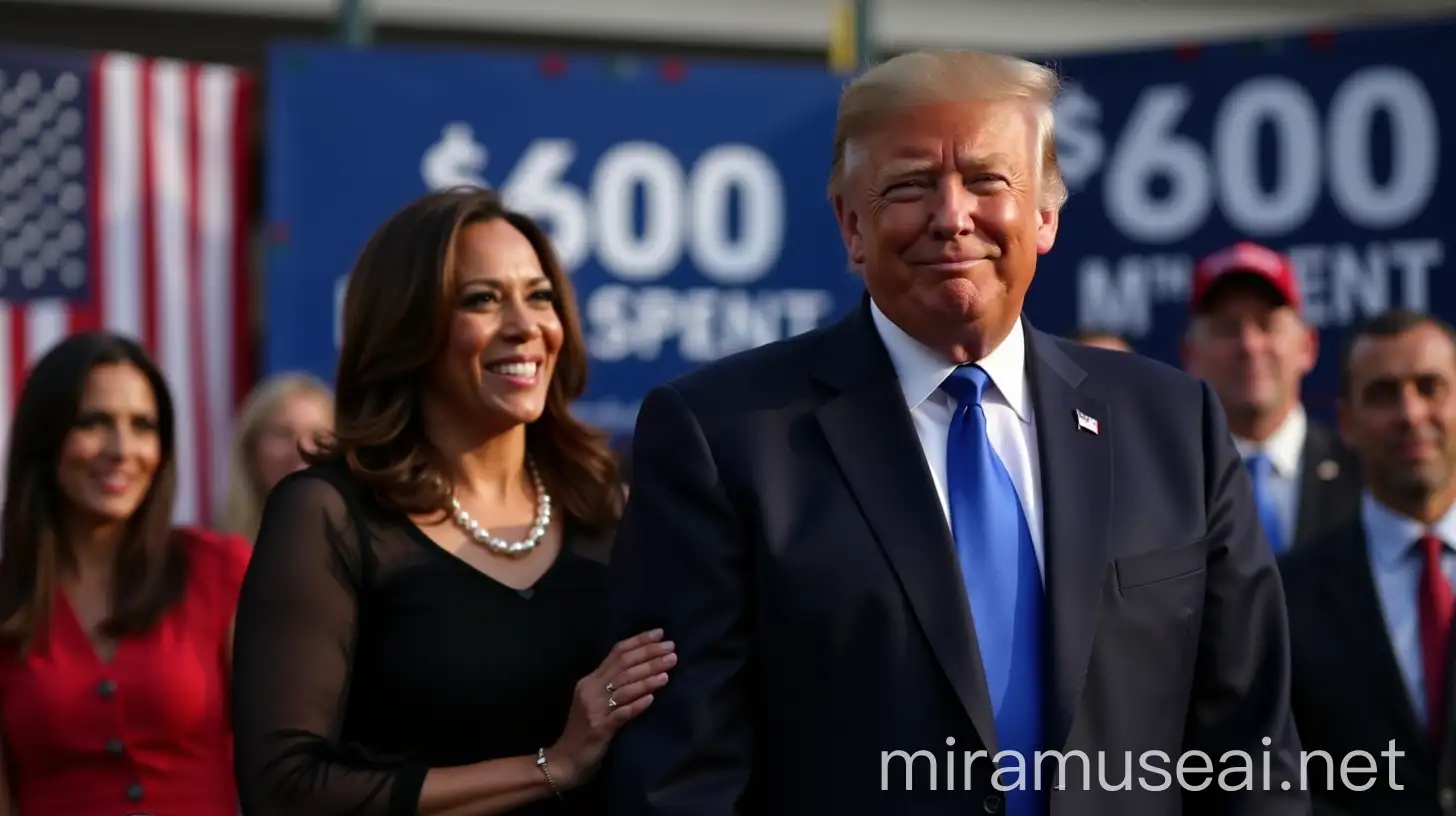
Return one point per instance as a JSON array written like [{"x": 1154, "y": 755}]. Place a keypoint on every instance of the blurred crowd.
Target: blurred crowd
[
  {"x": 436, "y": 430},
  {"x": 1362, "y": 516}
]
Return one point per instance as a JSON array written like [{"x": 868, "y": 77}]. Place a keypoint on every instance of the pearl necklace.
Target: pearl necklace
[{"x": 483, "y": 537}]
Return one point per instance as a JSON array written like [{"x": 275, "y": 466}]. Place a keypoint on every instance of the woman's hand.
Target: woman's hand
[{"x": 605, "y": 700}]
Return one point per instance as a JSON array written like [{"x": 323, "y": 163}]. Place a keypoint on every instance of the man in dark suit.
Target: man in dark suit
[
  {"x": 930, "y": 536},
  {"x": 1370, "y": 607},
  {"x": 1248, "y": 340}
]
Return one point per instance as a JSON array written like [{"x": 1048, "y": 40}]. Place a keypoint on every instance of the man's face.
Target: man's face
[
  {"x": 1398, "y": 413},
  {"x": 1252, "y": 348},
  {"x": 941, "y": 212}
]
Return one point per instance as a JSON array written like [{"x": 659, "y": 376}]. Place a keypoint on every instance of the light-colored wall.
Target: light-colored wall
[{"x": 1027, "y": 26}]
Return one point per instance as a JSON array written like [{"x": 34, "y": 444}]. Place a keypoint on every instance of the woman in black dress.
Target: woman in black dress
[{"x": 419, "y": 629}]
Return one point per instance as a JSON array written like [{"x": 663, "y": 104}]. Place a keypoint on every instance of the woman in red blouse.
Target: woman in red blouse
[{"x": 115, "y": 629}]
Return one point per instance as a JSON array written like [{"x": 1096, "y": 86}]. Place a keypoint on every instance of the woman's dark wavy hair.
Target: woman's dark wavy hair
[
  {"x": 151, "y": 571},
  {"x": 397, "y": 314}
]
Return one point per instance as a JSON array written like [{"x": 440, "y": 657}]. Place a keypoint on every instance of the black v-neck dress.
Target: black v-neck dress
[{"x": 366, "y": 654}]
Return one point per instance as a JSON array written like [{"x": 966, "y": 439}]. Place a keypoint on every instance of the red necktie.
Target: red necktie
[{"x": 1436, "y": 603}]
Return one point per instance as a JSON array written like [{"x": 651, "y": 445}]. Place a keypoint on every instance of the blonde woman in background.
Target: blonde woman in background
[{"x": 283, "y": 414}]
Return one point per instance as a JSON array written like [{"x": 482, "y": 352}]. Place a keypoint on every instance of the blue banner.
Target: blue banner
[
  {"x": 686, "y": 199},
  {"x": 1327, "y": 147}
]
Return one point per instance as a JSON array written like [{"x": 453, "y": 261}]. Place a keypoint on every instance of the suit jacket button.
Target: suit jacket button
[
  {"x": 992, "y": 804},
  {"x": 105, "y": 689},
  {"x": 114, "y": 747},
  {"x": 134, "y": 793}
]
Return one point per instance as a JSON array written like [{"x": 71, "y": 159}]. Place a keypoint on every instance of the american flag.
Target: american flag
[{"x": 123, "y": 206}]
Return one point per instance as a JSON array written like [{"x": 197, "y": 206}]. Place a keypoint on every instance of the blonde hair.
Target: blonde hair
[
  {"x": 243, "y": 509},
  {"x": 935, "y": 77}
]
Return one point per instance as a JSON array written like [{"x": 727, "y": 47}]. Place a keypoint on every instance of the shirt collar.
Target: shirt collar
[
  {"x": 1284, "y": 447},
  {"x": 1390, "y": 535},
  {"x": 921, "y": 371}
]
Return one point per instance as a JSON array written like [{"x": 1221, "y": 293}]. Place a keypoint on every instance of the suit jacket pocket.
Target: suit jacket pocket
[{"x": 1161, "y": 565}]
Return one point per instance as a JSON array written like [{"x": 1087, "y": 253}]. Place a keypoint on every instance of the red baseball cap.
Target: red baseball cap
[{"x": 1247, "y": 261}]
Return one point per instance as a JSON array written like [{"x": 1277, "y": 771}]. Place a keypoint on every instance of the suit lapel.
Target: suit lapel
[
  {"x": 1449, "y": 715},
  {"x": 1314, "y": 486},
  {"x": 869, "y": 430},
  {"x": 1309, "y": 487},
  {"x": 1076, "y": 477},
  {"x": 1350, "y": 593}
]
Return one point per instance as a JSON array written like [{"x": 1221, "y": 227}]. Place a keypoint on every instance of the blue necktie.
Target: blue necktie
[
  {"x": 1260, "y": 469},
  {"x": 1003, "y": 582}
]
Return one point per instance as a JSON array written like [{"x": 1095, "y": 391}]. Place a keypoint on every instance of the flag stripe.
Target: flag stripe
[
  {"x": 146, "y": 201},
  {"x": 47, "y": 322},
  {"x": 122, "y": 162},
  {"x": 196, "y": 286},
  {"x": 216, "y": 94},
  {"x": 167, "y": 146},
  {"x": 169, "y": 306},
  {"x": 245, "y": 362}
]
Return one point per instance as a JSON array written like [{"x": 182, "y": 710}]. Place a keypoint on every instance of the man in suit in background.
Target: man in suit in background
[
  {"x": 931, "y": 530},
  {"x": 1247, "y": 339},
  {"x": 1370, "y": 607}
]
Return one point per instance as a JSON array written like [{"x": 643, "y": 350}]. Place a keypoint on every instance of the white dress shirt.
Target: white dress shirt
[
  {"x": 1007, "y": 403},
  {"x": 1284, "y": 448},
  {"x": 1396, "y": 566}
]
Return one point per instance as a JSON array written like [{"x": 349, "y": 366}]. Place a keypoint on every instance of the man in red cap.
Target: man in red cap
[{"x": 1247, "y": 339}]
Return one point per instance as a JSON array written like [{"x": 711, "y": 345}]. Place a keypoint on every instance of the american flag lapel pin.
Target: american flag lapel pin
[{"x": 1086, "y": 423}]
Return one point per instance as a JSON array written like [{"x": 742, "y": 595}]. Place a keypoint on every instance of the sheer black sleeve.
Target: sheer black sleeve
[{"x": 292, "y": 662}]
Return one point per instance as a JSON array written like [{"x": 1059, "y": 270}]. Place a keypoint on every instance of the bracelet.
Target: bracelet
[{"x": 541, "y": 763}]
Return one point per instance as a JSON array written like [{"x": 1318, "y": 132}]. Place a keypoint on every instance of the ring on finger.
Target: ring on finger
[
  {"x": 611, "y": 688},
  {"x": 611, "y": 704}
]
